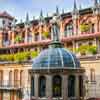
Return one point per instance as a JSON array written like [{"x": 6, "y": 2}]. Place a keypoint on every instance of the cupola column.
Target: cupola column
[
  {"x": 65, "y": 87},
  {"x": 36, "y": 92},
  {"x": 49, "y": 86},
  {"x": 77, "y": 86}
]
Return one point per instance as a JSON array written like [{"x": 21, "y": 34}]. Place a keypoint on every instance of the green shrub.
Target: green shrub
[
  {"x": 21, "y": 56},
  {"x": 87, "y": 49}
]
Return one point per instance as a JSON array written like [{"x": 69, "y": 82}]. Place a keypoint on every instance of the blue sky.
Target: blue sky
[{"x": 19, "y": 8}]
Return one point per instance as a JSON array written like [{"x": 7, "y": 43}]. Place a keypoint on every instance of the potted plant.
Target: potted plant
[
  {"x": 84, "y": 27},
  {"x": 18, "y": 39}
]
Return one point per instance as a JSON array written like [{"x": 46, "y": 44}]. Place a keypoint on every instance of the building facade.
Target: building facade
[{"x": 79, "y": 32}]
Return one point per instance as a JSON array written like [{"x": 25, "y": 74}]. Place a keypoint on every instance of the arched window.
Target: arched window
[
  {"x": 57, "y": 86},
  {"x": 71, "y": 86},
  {"x": 32, "y": 86},
  {"x": 42, "y": 86},
  {"x": 69, "y": 29}
]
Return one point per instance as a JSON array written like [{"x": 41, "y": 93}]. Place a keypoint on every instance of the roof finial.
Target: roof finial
[
  {"x": 27, "y": 19},
  {"x": 41, "y": 19},
  {"x": 55, "y": 28},
  {"x": 63, "y": 11},
  {"x": 14, "y": 24},
  {"x": 80, "y": 7},
  {"x": 41, "y": 14},
  {"x": 21, "y": 21},
  {"x": 47, "y": 15},
  {"x": 75, "y": 13},
  {"x": 75, "y": 6},
  {"x": 95, "y": 2},
  {"x": 57, "y": 10}
]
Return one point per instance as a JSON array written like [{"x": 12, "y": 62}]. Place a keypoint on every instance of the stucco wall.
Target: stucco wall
[{"x": 92, "y": 89}]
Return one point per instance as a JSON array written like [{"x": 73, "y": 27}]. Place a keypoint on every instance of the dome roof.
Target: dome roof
[{"x": 55, "y": 58}]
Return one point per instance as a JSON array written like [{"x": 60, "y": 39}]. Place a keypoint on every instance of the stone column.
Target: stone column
[
  {"x": 13, "y": 37},
  {"x": 75, "y": 26},
  {"x": 12, "y": 95},
  {"x": 9, "y": 36},
  {"x": 77, "y": 86},
  {"x": 48, "y": 85},
  {"x": 26, "y": 32},
  {"x": 1, "y": 38},
  {"x": 97, "y": 43},
  {"x": 40, "y": 32},
  {"x": 96, "y": 23},
  {"x": 61, "y": 29},
  {"x": 74, "y": 46},
  {"x": 65, "y": 87},
  {"x": 36, "y": 91},
  {"x": 1, "y": 95},
  {"x": 32, "y": 30}
]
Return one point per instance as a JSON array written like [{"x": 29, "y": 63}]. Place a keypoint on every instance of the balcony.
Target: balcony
[
  {"x": 6, "y": 43},
  {"x": 6, "y": 85}
]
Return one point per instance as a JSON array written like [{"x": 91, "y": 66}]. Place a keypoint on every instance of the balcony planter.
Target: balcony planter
[
  {"x": 84, "y": 28},
  {"x": 86, "y": 49},
  {"x": 19, "y": 57},
  {"x": 92, "y": 50},
  {"x": 46, "y": 34},
  {"x": 18, "y": 39}
]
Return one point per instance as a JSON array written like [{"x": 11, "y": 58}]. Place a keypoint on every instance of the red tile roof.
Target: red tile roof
[{"x": 6, "y": 15}]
